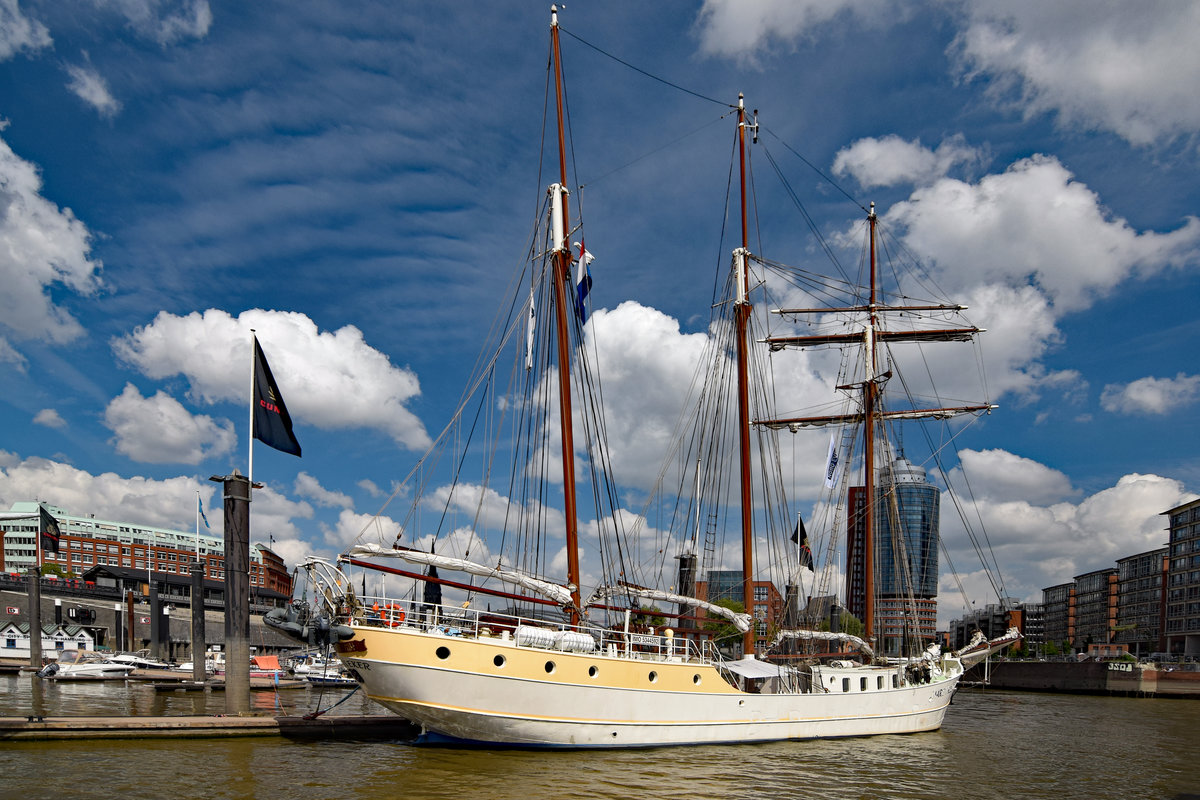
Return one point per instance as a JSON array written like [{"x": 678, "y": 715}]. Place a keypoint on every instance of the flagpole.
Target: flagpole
[
  {"x": 197, "y": 524},
  {"x": 250, "y": 444}
]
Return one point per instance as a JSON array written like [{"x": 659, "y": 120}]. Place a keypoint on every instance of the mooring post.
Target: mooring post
[
  {"x": 35, "y": 617},
  {"x": 198, "y": 645},
  {"x": 237, "y": 591}
]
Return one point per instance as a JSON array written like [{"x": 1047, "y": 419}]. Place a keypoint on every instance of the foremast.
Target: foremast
[
  {"x": 741, "y": 316},
  {"x": 871, "y": 388},
  {"x": 561, "y": 224}
]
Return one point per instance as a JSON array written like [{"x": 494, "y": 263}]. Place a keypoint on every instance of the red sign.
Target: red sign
[
  {"x": 13, "y": 610},
  {"x": 145, "y": 620}
]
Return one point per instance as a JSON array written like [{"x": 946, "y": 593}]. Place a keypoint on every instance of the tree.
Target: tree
[
  {"x": 847, "y": 623},
  {"x": 652, "y": 616}
]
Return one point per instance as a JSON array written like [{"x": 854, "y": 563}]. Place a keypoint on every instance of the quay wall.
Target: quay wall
[{"x": 1092, "y": 677}]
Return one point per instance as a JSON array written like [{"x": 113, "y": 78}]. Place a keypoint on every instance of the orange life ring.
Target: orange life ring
[{"x": 394, "y": 615}]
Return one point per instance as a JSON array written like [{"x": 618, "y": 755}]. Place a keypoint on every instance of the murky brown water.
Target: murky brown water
[{"x": 993, "y": 744}]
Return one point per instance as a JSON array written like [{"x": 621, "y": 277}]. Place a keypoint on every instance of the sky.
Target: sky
[{"x": 356, "y": 182}]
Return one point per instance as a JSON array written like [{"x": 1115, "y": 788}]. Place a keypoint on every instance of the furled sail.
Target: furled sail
[
  {"x": 980, "y": 647},
  {"x": 828, "y": 636},
  {"x": 557, "y": 593},
  {"x": 741, "y": 621}
]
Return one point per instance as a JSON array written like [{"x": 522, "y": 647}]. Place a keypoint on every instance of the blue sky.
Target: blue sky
[{"x": 357, "y": 182}]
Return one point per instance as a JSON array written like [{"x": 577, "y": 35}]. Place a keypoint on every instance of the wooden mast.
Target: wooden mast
[
  {"x": 870, "y": 397},
  {"x": 741, "y": 316},
  {"x": 871, "y": 415},
  {"x": 562, "y": 280}
]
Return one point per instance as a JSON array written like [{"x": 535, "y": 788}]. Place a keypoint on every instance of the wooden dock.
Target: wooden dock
[{"x": 383, "y": 726}]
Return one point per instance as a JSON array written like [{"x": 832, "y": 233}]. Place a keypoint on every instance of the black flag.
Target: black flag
[
  {"x": 48, "y": 530},
  {"x": 800, "y": 537},
  {"x": 272, "y": 423}
]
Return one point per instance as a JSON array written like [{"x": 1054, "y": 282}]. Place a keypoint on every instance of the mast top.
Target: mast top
[{"x": 554, "y": 15}]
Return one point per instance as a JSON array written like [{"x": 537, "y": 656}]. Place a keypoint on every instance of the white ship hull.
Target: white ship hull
[{"x": 491, "y": 691}]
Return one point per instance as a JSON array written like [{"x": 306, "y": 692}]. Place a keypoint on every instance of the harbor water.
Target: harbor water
[{"x": 993, "y": 744}]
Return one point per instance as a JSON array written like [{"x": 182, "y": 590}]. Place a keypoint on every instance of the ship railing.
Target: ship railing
[{"x": 530, "y": 631}]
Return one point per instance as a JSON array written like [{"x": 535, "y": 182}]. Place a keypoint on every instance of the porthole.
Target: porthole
[
  {"x": 653, "y": 676},
  {"x": 593, "y": 671},
  {"x": 498, "y": 661},
  {"x": 696, "y": 679},
  {"x": 550, "y": 667},
  {"x": 442, "y": 652}
]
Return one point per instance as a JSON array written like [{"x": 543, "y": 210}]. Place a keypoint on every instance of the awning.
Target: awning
[{"x": 753, "y": 668}]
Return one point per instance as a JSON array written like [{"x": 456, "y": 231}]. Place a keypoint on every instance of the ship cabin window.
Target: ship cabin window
[
  {"x": 498, "y": 661},
  {"x": 550, "y": 667},
  {"x": 442, "y": 652},
  {"x": 895, "y": 681},
  {"x": 862, "y": 684},
  {"x": 879, "y": 682},
  {"x": 653, "y": 676},
  {"x": 845, "y": 684}
]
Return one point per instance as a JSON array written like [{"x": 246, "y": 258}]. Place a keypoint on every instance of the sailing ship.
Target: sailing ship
[{"x": 554, "y": 668}]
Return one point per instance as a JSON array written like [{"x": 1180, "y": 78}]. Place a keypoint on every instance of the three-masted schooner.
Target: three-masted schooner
[{"x": 545, "y": 672}]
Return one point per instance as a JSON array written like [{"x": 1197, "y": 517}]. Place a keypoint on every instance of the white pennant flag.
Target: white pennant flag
[
  {"x": 529, "y": 333},
  {"x": 832, "y": 462}
]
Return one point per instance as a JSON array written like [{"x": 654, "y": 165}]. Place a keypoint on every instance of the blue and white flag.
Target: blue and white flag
[
  {"x": 583, "y": 281},
  {"x": 832, "y": 462},
  {"x": 200, "y": 505}
]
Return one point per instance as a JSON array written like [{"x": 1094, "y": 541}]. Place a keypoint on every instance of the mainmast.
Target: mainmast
[
  {"x": 870, "y": 396},
  {"x": 560, "y": 223},
  {"x": 741, "y": 316}
]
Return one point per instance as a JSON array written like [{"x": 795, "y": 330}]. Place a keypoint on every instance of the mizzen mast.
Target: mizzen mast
[
  {"x": 873, "y": 334},
  {"x": 560, "y": 223}
]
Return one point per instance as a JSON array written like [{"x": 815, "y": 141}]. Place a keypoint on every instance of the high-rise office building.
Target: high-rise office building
[{"x": 907, "y": 512}]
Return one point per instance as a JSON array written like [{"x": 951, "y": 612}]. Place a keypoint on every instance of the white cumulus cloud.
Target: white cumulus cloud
[
  {"x": 741, "y": 29},
  {"x": 1151, "y": 395},
  {"x": 1129, "y": 68},
  {"x": 891, "y": 160},
  {"x": 329, "y": 379},
  {"x": 1034, "y": 223},
  {"x": 310, "y": 487},
  {"x": 159, "y": 430},
  {"x": 41, "y": 246}
]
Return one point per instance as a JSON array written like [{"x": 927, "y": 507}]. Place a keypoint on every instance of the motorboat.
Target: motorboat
[{"x": 85, "y": 664}]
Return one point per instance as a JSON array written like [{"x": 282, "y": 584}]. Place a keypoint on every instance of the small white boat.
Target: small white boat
[
  {"x": 140, "y": 660},
  {"x": 84, "y": 664},
  {"x": 322, "y": 671}
]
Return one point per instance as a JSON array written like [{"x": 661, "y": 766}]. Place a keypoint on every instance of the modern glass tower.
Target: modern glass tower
[{"x": 907, "y": 514}]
